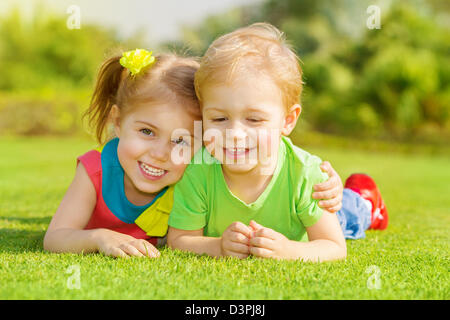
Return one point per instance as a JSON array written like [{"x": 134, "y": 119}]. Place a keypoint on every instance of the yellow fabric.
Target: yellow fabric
[
  {"x": 100, "y": 149},
  {"x": 154, "y": 220}
]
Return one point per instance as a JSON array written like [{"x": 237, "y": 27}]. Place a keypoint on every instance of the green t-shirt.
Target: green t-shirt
[{"x": 202, "y": 198}]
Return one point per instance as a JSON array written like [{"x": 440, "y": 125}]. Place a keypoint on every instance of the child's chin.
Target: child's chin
[
  {"x": 238, "y": 167},
  {"x": 151, "y": 187}
]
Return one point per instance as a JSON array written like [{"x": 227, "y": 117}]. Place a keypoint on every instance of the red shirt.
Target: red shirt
[{"x": 102, "y": 216}]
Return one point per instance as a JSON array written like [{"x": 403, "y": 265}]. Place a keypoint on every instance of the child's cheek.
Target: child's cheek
[
  {"x": 265, "y": 141},
  {"x": 215, "y": 149},
  {"x": 178, "y": 171},
  {"x": 180, "y": 155},
  {"x": 209, "y": 145},
  {"x": 125, "y": 154}
]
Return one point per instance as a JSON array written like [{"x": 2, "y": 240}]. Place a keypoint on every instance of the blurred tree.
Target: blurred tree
[
  {"x": 47, "y": 71},
  {"x": 196, "y": 39},
  {"x": 405, "y": 71},
  {"x": 392, "y": 81},
  {"x": 42, "y": 52}
]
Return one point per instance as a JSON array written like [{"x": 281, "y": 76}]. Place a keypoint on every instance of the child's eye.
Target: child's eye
[
  {"x": 181, "y": 141},
  {"x": 254, "y": 120},
  {"x": 147, "y": 132},
  {"x": 219, "y": 119}
]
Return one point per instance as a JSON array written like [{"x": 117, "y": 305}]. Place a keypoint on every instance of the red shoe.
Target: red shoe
[{"x": 366, "y": 187}]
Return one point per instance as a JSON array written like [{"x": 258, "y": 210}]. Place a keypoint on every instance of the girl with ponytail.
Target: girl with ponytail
[{"x": 142, "y": 112}]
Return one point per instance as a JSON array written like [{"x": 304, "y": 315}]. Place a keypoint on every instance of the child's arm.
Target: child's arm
[
  {"x": 65, "y": 232},
  {"x": 330, "y": 191},
  {"x": 234, "y": 241},
  {"x": 326, "y": 242}
]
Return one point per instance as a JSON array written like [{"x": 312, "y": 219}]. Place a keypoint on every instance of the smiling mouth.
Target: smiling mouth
[
  {"x": 151, "y": 170},
  {"x": 236, "y": 152}
]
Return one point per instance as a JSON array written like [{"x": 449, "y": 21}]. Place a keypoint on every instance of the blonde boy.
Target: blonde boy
[{"x": 249, "y": 190}]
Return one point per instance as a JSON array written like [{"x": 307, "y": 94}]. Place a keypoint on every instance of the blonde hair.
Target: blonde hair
[
  {"x": 260, "y": 47},
  {"x": 170, "y": 78}
]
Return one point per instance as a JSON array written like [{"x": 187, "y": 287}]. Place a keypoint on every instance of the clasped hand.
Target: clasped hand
[{"x": 240, "y": 241}]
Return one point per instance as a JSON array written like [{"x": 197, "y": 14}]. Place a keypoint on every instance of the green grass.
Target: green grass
[{"x": 412, "y": 254}]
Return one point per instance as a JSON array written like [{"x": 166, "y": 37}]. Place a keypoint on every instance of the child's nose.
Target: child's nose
[
  {"x": 235, "y": 138},
  {"x": 160, "y": 152},
  {"x": 236, "y": 132}
]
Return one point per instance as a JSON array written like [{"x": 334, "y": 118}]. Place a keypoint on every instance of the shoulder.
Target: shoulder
[
  {"x": 305, "y": 168},
  {"x": 199, "y": 174},
  {"x": 92, "y": 165},
  {"x": 91, "y": 161},
  {"x": 103, "y": 155},
  {"x": 303, "y": 164},
  {"x": 300, "y": 156},
  {"x": 202, "y": 163}
]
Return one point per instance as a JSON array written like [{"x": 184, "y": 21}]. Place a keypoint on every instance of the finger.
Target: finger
[
  {"x": 326, "y": 166},
  {"x": 337, "y": 208},
  {"x": 239, "y": 255},
  {"x": 261, "y": 252},
  {"x": 255, "y": 226},
  {"x": 151, "y": 248},
  {"x": 235, "y": 247},
  {"x": 266, "y": 233},
  {"x": 237, "y": 237},
  {"x": 329, "y": 170},
  {"x": 328, "y": 194},
  {"x": 146, "y": 248},
  {"x": 332, "y": 182},
  {"x": 329, "y": 203},
  {"x": 261, "y": 242},
  {"x": 142, "y": 248},
  {"x": 242, "y": 228},
  {"x": 116, "y": 252},
  {"x": 130, "y": 250},
  {"x": 334, "y": 209}
]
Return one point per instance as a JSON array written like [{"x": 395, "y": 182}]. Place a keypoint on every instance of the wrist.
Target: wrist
[
  {"x": 293, "y": 249},
  {"x": 221, "y": 250},
  {"x": 97, "y": 236}
]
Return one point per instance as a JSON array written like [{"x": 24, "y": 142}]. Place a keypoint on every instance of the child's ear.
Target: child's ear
[
  {"x": 115, "y": 118},
  {"x": 290, "y": 119}
]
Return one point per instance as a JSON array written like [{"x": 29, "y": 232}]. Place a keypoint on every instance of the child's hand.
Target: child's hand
[
  {"x": 235, "y": 240},
  {"x": 330, "y": 191},
  {"x": 267, "y": 243},
  {"x": 116, "y": 244}
]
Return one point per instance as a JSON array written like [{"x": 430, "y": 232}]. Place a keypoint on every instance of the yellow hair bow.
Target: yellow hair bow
[{"x": 136, "y": 60}]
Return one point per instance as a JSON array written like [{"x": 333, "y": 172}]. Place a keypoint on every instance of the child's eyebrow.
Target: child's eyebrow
[
  {"x": 149, "y": 124},
  {"x": 252, "y": 109},
  {"x": 247, "y": 109},
  {"x": 214, "y": 109}
]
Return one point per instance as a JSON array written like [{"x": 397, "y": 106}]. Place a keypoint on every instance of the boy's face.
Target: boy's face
[{"x": 243, "y": 122}]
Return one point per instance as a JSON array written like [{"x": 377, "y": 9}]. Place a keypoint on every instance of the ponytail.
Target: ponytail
[
  {"x": 169, "y": 76},
  {"x": 105, "y": 96}
]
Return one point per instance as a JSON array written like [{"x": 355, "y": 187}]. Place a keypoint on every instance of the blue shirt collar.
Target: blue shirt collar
[{"x": 113, "y": 191}]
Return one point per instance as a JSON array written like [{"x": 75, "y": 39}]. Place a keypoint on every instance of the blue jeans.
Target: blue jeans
[{"x": 354, "y": 216}]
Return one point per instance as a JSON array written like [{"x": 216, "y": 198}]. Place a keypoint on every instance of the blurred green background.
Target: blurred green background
[{"x": 387, "y": 85}]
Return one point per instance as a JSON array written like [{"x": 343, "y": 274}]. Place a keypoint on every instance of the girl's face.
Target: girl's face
[{"x": 156, "y": 142}]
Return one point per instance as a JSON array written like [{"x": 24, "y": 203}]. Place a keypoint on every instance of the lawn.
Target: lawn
[{"x": 409, "y": 260}]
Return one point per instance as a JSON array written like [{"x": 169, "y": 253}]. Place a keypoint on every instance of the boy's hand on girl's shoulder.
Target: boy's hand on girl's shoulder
[
  {"x": 121, "y": 245},
  {"x": 235, "y": 240},
  {"x": 330, "y": 192},
  {"x": 267, "y": 243}
]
